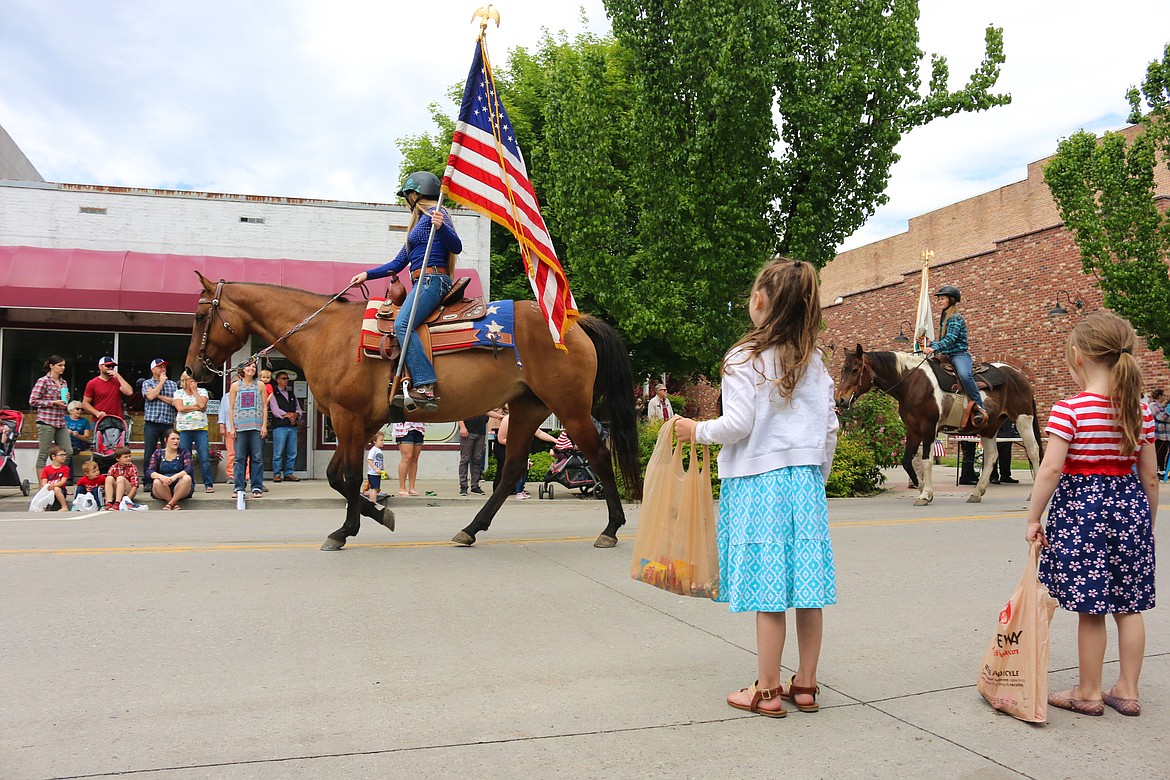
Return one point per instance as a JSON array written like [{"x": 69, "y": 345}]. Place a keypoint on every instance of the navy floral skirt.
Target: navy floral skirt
[{"x": 1100, "y": 554}]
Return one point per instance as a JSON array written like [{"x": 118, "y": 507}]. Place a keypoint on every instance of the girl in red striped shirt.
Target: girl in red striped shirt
[{"x": 1098, "y": 556}]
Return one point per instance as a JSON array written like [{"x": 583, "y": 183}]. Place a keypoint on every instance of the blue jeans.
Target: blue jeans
[
  {"x": 424, "y": 298},
  {"x": 284, "y": 451},
  {"x": 962, "y": 363},
  {"x": 196, "y": 442},
  {"x": 152, "y": 439},
  {"x": 249, "y": 445}
]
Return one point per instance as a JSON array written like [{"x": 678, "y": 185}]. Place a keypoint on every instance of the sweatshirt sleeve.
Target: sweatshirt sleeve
[
  {"x": 830, "y": 437},
  {"x": 739, "y": 406}
]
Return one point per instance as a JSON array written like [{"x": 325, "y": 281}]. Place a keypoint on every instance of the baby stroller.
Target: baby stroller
[
  {"x": 572, "y": 472},
  {"x": 571, "y": 468},
  {"x": 109, "y": 433},
  {"x": 10, "y": 425}
]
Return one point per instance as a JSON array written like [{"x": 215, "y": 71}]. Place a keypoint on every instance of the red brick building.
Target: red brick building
[{"x": 1013, "y": 260}]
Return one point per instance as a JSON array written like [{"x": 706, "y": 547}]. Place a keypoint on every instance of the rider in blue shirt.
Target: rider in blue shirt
[
  {"x": 421, "y": 193},
  {"x": 952, "y": 342}
]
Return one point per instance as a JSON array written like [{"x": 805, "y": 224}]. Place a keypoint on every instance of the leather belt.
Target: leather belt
[{"x": 414, "y": 274}]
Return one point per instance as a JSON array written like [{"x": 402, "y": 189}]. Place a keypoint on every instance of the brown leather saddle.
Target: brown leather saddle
[
  {"x": 986, "y": 375},
  {"x": 454, "y": 310}
]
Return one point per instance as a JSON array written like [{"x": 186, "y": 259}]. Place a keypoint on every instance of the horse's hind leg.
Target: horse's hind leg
[
  {"x": 926, "y": 483},
  {"x": 525, "y": 415},
  {"x": 584, "y": 435},
  {"x": 1024, "y": 424},
  {"x": 909, "y": 456}
]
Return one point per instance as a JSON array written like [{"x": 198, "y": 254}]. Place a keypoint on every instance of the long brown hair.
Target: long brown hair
[
  {"x": 1106, "y": 339},
  {"x": 421, "y": 206},
  {"x": 792, "y": 321}
]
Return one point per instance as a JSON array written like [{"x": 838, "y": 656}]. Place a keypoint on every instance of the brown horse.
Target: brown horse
[
  {"x": 596, "y": 368},
  {"x": 910, "y": 381}
]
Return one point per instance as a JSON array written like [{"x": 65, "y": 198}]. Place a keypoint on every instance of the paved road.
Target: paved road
[{"x": 224, "y": 644}]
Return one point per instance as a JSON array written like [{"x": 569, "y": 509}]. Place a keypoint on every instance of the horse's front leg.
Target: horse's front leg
[
  {"x": 990, "y": 455},
  {"x": 926, "y": 484},
  {"x": 911, "y": 463},
  {"x": 345, "y": 476}
]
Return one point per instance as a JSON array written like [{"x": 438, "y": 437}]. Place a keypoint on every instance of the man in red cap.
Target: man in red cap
[
  {"x": 103, "y": 393},
  {"x": 158, "y": 409}
]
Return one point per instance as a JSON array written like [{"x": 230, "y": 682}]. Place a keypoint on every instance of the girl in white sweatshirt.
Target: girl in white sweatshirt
[{"x": 779, "y": 432}]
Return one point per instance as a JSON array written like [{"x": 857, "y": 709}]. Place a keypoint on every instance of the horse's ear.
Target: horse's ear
[
  {"x": 207, "y": 283},
  {"x": 859, "y": 351}
]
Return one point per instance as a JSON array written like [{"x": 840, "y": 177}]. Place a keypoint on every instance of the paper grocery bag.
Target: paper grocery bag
[
  {"x": 675, "y": 548},
  {"x": 1013, "y": 677}
]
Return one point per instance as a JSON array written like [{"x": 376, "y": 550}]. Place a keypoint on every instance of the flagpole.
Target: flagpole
[{"x": 484, "y": 14}]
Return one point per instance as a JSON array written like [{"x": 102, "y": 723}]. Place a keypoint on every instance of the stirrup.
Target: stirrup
[{"x": 412, "y": 401}]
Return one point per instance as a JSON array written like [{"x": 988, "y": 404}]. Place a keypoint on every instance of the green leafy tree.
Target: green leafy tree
[
  {"x": 1105, "y": 193},
  {"x": 665, "y": 175}
]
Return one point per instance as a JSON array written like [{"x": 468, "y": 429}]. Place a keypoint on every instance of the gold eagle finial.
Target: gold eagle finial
[{"x": 486, "y": 13}]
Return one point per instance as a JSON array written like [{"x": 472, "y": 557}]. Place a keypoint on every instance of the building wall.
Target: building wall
[
  {"x": 173, "y": 222},
  {"x": 1007, "y": 293},
  {"x": 955, "y": 231}
]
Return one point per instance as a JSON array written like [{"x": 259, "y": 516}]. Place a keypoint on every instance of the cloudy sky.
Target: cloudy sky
[{"x": 306, "y": 98}]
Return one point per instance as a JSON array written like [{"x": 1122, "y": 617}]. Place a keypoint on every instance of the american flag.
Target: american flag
[{"x": 486, "y": 172}]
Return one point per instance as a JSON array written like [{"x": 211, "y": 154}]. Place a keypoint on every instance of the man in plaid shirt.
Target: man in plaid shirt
[{"x": 158, "y": 394}]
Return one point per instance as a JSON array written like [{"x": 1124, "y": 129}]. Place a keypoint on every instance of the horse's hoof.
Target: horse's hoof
[
  {"x": 974, "y": 499},
  {"x": 463, "y": 538},
  {"x": 922, "y": 502},
  {"x": 387, "y": 518},
  {"x": 605, "y": 542},
  {"x": 332, "y": 545}
]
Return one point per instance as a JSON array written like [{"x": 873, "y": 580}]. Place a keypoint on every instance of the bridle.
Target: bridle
[
  {"x": 213, "y": 303},
  {"x": 865, "y": 372}
]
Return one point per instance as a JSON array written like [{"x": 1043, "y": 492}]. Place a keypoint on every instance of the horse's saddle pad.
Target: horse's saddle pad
[
  {"x": 450, "y": 328},
  {"x": 986, "y": 375}
]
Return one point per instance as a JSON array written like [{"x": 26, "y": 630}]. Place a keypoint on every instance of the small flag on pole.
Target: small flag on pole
[
  {"x": 924, "y": 320},
  {"x": 486, "y": 172}
]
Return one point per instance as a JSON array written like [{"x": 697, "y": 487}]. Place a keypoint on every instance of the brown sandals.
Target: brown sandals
[
  {"x": 1065, "y": 701},
  {"x": 794, "y": 690},
  {"x": 758, "y": 695},
  {"x": 1130, "y": 707}
]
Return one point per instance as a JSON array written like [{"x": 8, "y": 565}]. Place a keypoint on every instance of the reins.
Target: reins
[
  {"x": 902, "y": 379},
  {"x": 214, "y": 304}
]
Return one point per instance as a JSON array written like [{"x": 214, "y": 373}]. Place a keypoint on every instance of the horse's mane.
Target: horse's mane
[
  {"x": 885, "y": 361},
  {"x": 320, "y": 298}
]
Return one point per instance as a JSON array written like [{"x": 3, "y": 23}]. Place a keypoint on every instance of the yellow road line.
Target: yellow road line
[{"x": 416, "y": 545}]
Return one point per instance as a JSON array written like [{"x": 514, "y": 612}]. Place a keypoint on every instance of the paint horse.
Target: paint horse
[
  {"x": 910, "y": 381},
  {"x": 354, "y": 394}
]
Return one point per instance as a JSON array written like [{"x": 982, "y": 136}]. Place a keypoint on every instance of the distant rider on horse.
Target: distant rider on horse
[
  {"x": 952, "y": 342},
  {"x": 421, "y": 193}
]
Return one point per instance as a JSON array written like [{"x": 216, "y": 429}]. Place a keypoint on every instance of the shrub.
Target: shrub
[
  {"x": 873, "y": 422},
  {"x": 541, "y": 461},
  {"x": 855, "y": 471},
  {"x": 647, "y": 438}
]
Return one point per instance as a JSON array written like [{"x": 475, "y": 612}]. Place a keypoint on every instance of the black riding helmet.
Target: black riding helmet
[
  {"x": 950, "y": 292},
  {"x": 424, "y": 183}
]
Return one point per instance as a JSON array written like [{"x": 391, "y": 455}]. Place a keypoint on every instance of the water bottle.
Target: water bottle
[
  {"x": 240, "y": 499},
  {"x": 65, "y": 393}
]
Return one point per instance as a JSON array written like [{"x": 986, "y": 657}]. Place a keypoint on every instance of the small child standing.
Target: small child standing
[
  {"x": 55, "y": 476},
  {"x": 91, "y": 482},
  {"x": 374, "y": 463},
  {"x": 122, "y": 481},
  {"x": 1098, "y": 555},
  {"x": 779, "y": 433}
]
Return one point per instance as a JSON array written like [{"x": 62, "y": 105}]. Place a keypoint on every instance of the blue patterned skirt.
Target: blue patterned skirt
[
  {"x": 1100, "y": 554},
  {"x": 773, "y": 535}
]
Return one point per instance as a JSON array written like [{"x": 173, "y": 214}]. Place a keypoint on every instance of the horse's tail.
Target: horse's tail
[{"x": 613, "y": 390}]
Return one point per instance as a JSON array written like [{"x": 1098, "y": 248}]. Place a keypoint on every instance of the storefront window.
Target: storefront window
[{"x": 25, "y": 353}]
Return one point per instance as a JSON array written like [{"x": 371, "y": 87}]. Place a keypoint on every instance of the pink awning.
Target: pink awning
[{"x": 86, "y": 279}]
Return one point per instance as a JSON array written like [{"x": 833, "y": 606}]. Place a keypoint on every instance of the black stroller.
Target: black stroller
[
  {"x": 109, "y": 433},
  {"x": 10, "y": 425},
  {"x": 571, "y": 469}
]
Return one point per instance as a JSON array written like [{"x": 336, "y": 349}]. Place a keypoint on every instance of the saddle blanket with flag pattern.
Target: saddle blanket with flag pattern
[{"x": 494, "y": 330}]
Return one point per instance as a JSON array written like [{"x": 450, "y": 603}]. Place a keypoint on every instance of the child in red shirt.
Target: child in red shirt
[
  {"x": 121, "y": 481},
  {"x": 55, "y": 475},
  {"x": 91, "y": 481}
]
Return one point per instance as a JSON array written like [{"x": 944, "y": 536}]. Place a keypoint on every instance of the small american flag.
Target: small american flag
[{"x": 486, "y": 172}]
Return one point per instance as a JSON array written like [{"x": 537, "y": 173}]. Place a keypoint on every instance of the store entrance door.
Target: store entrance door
[{"x": 300, "y": 390}]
